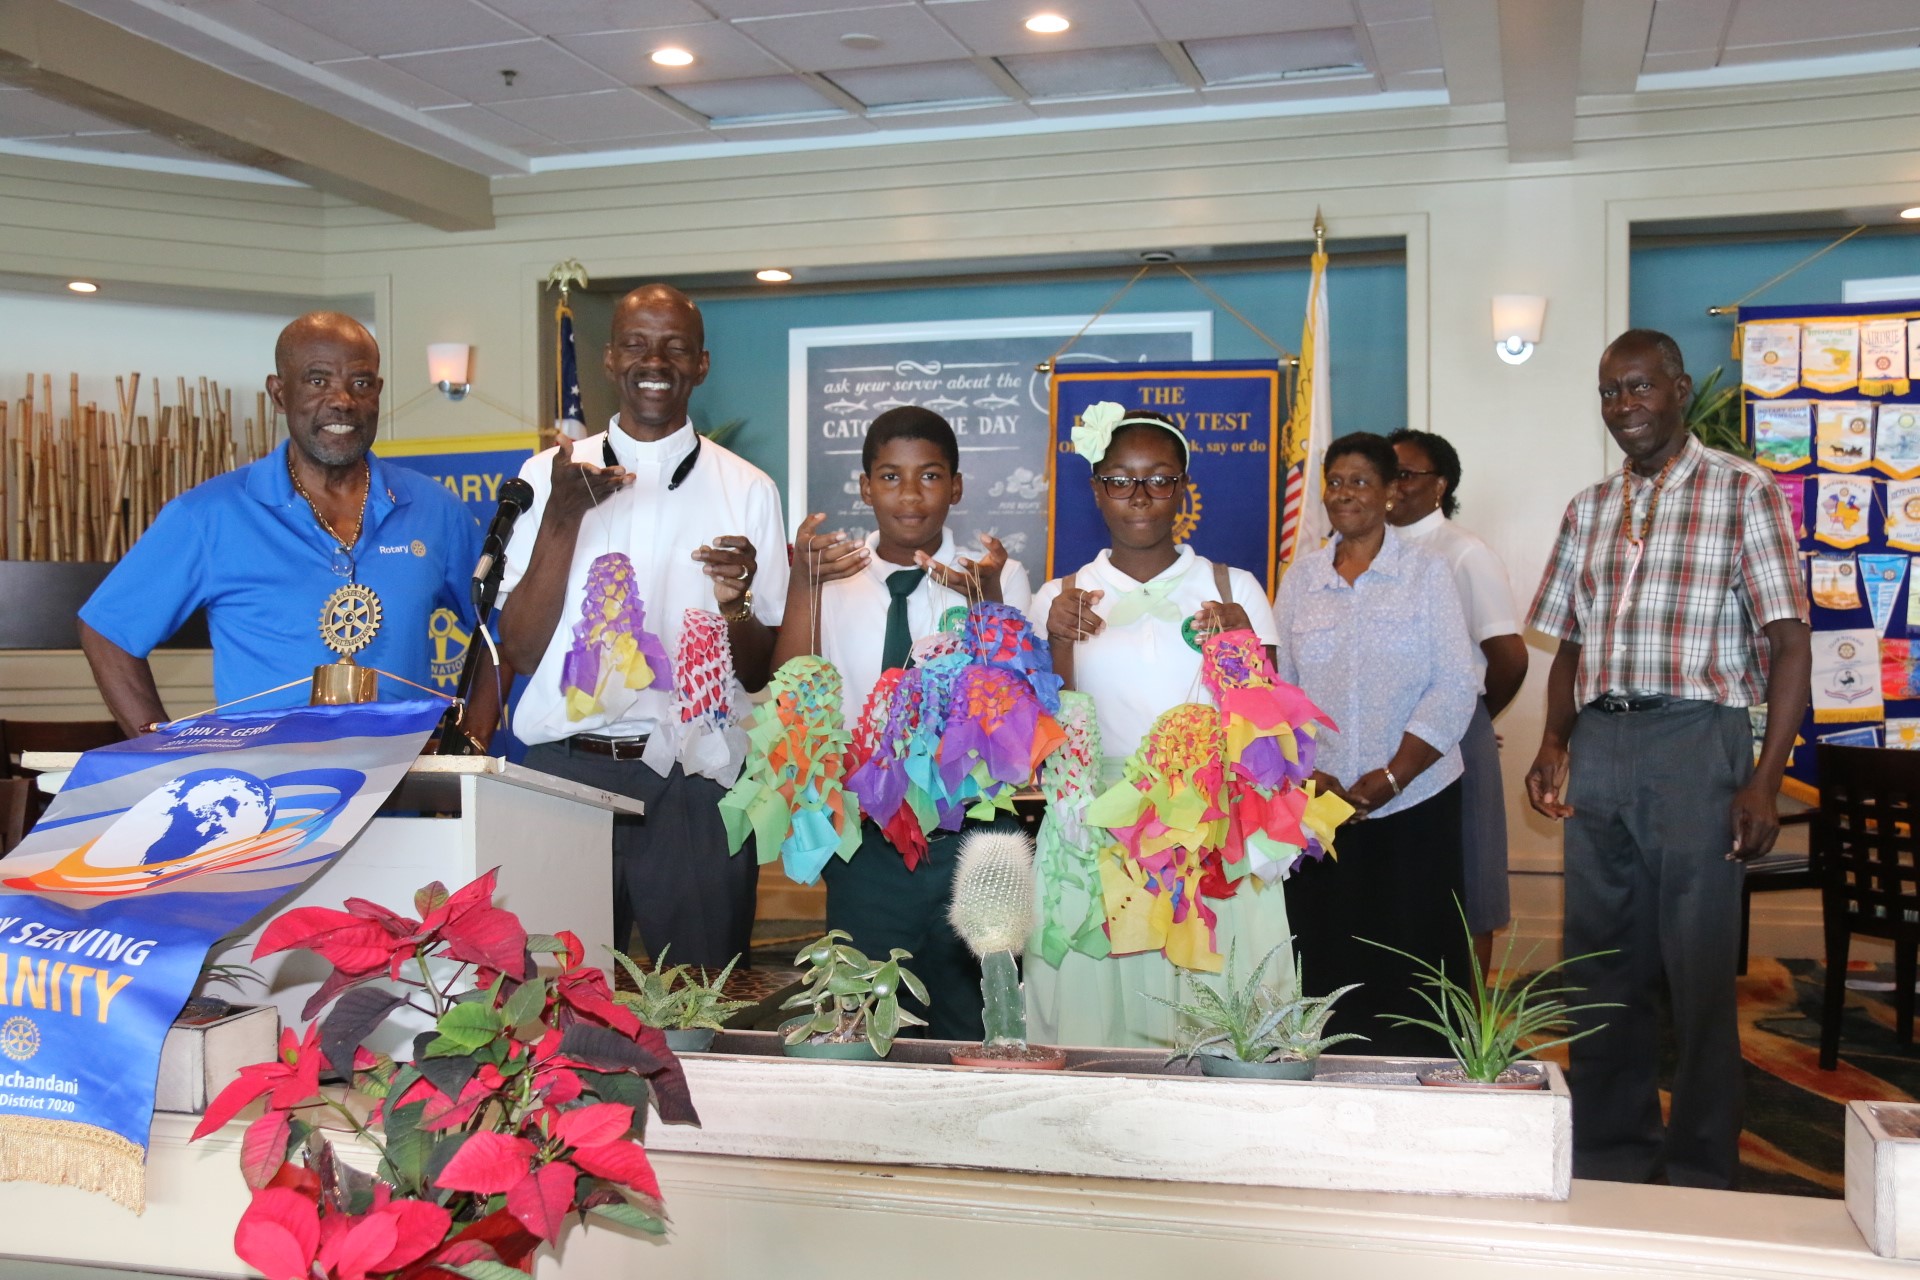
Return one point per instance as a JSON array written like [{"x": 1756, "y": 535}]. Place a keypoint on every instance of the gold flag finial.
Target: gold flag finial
[
  {"x": 566, "y": 275},
  {"x": 1319, "y": 232}
]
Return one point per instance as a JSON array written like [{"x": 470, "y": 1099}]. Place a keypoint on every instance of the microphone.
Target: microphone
[{"x": 516, "y": 495}]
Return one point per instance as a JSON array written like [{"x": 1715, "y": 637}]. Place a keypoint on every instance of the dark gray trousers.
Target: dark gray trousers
[
  {"x": 672, "y": 874},
  {"x": 1647, "y": 878}
]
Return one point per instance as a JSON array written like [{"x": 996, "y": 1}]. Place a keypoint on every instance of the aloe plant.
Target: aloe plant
[
  {"x": 850, "y": 997},
  {"x": 1253, "y": 1021},
  {"x": 673, "y": 999},
  {"x": 1489, "y": 1025}
]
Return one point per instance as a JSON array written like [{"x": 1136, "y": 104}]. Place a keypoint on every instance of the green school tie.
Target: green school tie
[{"x": 898, "y": 646}]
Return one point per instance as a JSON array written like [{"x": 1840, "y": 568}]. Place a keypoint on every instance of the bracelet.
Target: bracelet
[
  {"x": 745, "y": 606},
  {"x": 1391, "y": 780}
]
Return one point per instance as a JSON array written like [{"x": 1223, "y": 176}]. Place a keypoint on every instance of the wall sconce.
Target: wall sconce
[
  {"x": 1517, "y": 321},
  {"x": 447, "y": 367}
]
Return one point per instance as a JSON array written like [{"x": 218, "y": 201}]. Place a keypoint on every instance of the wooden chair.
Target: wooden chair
[
  {"x": 18, "y": 736},
  {"x": 15, "y": 795},
  {"x": 1864, "y": 844},
  {"x": 1782, "y": 869}
]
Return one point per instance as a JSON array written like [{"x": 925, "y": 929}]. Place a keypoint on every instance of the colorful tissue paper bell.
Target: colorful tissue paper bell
[{"x": 789, "y": 796}]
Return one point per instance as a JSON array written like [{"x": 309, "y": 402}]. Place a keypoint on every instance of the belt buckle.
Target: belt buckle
[{"x": 627, "y": 748}]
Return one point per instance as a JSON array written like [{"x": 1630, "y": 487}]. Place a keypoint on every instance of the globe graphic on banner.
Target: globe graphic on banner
[{"x": 194, "y": 812}]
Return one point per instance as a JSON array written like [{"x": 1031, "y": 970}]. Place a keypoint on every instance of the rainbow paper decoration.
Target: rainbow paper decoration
[
  {"x": 1072, "y": 906},
  {"x": 789, "y": 796},
  {"x": 611, "y": 640}
]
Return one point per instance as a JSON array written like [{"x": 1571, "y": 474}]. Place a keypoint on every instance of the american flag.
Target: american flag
[
  {"x": 569, "y": 419},
  {"x": 1303, "y": 520}
]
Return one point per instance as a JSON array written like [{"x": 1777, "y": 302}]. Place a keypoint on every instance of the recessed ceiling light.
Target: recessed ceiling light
[
  {"x": 773, "y": 275},
  {"x": 1047, "y": 24},
  {"x": 1911, "y": 213},
  {"x": 672, "y": 57},
  {"x": 83, "y": 286},
  {"x": 861, "y": 40}
]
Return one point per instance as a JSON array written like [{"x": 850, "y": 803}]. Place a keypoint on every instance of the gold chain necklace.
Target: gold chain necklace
[
  {"x": 366, "y": 487},
  {"x": 1653, "y": 502}
]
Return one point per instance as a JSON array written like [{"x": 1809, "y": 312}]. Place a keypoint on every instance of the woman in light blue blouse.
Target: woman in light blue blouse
[{"x": 1370, "y": 626}]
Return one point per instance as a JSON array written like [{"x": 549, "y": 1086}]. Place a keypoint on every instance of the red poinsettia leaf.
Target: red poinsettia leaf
[
  {"x": 477, "y": 893},
  {"x": 576, "y": 949},
  {"x": 419, "y": 1227},
  {"x": 429, "y": 898},
  {"x": 299, "y": 1081},
  {"x": 542, "y": 1199},
  {"x": 622, "y": 1162},
  {"x": 350, "y": 1254},
  {"x": 487, "y": 1163},
  {"x": 488, "y": 936},
  {"x": 512, "y": 1243},
  {"x": 594, "y": 1125},
  {"x": 251, "y": 1083},
  {"x": 347, "y": 941},
  {"x": 264, "y": 1148},
  {"x": 279, "y": 1234},
  {"x": 337, "y": 980},
  {"x": 392, "y": 921},
  {"x": 298, "y": 1178}
]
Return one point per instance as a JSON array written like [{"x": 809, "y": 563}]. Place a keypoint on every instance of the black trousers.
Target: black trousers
[
  {"x": 883, "y": 905},
  {"x": 672, "y": 875},
  {"x": 1648, "y": 879},
  {"x": 1396, "y": 881}
]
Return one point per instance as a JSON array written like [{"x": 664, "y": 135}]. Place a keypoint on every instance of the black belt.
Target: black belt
[
  {"x": 1617, "y": 703},
  {"x": 599, "y": 745}
]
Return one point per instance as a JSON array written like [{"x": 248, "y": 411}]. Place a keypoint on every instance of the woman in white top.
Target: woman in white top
[{"x": 1125, "y": 619}]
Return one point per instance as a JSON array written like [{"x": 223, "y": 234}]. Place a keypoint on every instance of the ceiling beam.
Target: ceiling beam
[
  {"x": 1469, "y": 49},
  {"x": 1613, "y": 44},
  {"x": 1540, "y": 76},
  {"x": 89, "y": 63}
]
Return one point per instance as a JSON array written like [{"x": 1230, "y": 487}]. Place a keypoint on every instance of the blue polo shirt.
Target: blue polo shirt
[{"x": 248, "y": 548}]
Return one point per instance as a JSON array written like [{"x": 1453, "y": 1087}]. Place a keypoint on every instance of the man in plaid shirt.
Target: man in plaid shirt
[{"x": 1675, "y": 592}]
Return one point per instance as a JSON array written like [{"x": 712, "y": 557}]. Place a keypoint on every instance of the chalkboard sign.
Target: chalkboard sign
[{"x": 979, "y": 375}]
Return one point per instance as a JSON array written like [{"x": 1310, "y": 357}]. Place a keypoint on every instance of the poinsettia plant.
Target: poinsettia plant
[{"x": 523, "y": 1108}]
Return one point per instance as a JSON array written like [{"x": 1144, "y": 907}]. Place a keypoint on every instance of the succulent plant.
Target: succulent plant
[
  {"x": 992, "y": 912},
  {"x": 851, "y": 996},
  {"x": 1253, "y": 1021},
  {"x": 674, "y": 1000}
]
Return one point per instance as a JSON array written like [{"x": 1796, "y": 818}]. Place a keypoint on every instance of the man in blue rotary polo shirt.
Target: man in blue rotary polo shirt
[{"x": 263, "y": 547}]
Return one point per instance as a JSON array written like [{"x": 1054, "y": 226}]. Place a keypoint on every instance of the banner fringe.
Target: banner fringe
[{"x": 66, "y": 1153}]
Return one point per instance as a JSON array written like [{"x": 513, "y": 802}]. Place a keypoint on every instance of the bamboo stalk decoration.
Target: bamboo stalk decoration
[{"x": 82, "y": 482}]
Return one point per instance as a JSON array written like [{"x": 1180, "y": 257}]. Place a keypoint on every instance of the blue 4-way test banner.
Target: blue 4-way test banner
[
  {"x": 153, "y": 851},
  {"x": 1230, "y": 413}
]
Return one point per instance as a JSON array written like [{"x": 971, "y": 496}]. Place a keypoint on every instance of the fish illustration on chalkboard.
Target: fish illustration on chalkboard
[
  {"x": 881, "y": 406},
  {"x": 995, "y": 402},
  {"x": 945, "y": 404},
  {"x": 845, "y": 406}
]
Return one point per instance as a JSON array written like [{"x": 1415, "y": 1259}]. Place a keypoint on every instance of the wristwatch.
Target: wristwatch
[{"x": 742, "y": 608}]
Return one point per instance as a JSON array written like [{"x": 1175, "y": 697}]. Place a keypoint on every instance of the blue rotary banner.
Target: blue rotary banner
[
  {"x": 153, "y": 851},
  {"x": 1229, "y": 411}
]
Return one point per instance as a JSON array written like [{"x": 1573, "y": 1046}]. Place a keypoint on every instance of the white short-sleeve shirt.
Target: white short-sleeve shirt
[
  {"x": 659, "y": 530},
  {"x": 853, "y": 615},
  {"x": 1486, "y": 594},
  {"x": 1135, "y": 672}
]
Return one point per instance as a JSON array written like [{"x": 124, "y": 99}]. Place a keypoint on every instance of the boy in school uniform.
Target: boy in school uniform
[{"x": 861, "y": 604}]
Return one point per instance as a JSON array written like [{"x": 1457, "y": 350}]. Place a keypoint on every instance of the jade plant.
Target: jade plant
[
  {"x": 1496, "y": 1019},
  {"x": 992, "y": 912},
  {"x": 674, "y": 999},
  {"x": 849, "y": 997},
  {"x": 1253, "y": 1021}
]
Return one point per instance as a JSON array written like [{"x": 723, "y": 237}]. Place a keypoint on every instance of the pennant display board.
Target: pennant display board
[
  {"x": 1832, "y": 411},
  {"x": 1231, "y": 414}
]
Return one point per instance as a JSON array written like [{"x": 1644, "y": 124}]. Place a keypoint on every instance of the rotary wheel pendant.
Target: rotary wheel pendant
[{"x": 349, "y": 619}]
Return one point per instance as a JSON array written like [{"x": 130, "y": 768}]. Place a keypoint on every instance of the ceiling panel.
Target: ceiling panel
[
  {"x": 1393, "y": 10},
  {"x": 1082, "y": 72},
  {"x": 1838, "y": 47},
  {"x": 1402, "y": 47},
  {"x": 541, "y": 70},
  {"x": 749, "y": 99},
  {"x": 401, "y": 26},
  {"x": 1683, "y": 60},
  {"x": 813, "y": 42},
  {"x": 720, "y": 53},
  {"x": 920, "y": 82},
  {"x": 385, "y": 79},
  {"x": 782, "y": 8},
  {"x": 270, "y": 26},
  {"x": 962, "y": 116},
  {"x": 489, "y": 126},
  {"x": 595, "y": 117},
  {"x": 570, "y": 17},
  {"x": 996, "y": 27},
  {"x": 1778, "y": 21},
  {"x": 1683, "y": 25},
  {"x": 1258, "y": 58},
  {"x": 1191, "y": 20},
  {"x": 1415, "y": 81}
]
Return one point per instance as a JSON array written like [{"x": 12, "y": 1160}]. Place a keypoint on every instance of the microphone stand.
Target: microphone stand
[{"x": 453, "y": 739}]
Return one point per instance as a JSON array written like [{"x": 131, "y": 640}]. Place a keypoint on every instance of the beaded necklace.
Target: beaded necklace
[
  {"x": 366, "y": 487},
  {"x": 1653, "y": 503}
]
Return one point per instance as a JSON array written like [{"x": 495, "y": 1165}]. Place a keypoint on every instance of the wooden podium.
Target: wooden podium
[{"x": 450, "y": 819}]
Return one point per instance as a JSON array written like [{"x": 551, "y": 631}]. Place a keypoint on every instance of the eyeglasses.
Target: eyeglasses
[
  {"x": 1408, "y": 473},
  {"x": 1157, "y": 486}
]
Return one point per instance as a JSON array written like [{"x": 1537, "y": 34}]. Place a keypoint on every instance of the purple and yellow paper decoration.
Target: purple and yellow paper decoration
[
  {"x": 996, "y": 735},
  {"x": 1072, "y": 905},
  {"x": 789, "y": 796},
  {"x": 611, "y": 644},
  {"x": 999, "y": 635},
  {"x": 877, "y": 775}
]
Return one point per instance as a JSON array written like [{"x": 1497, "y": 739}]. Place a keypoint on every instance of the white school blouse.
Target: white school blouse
[
  {"x": 853, "y": 615},
  {"x": 659, "y": 530},
  {"x": 1486, "y": 594},
  {"x": 1137, "y": 671}
]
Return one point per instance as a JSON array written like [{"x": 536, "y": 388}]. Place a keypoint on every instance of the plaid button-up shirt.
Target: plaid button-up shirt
[{"x": 1720, "y": 563}]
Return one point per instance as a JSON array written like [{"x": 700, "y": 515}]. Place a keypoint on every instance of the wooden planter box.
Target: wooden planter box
[
  {"x": 1364, "y": 1124},
  {"x": 1883, "y": 1175}
]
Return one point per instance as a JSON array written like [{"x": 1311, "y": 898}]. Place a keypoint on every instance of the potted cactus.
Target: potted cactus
[
  {"x": 1250, "y": 1029},
  {"x": 992, "y": 912},
  {"x": 852, "y": 1002},
  {"x": 686, "y": 1009}
]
